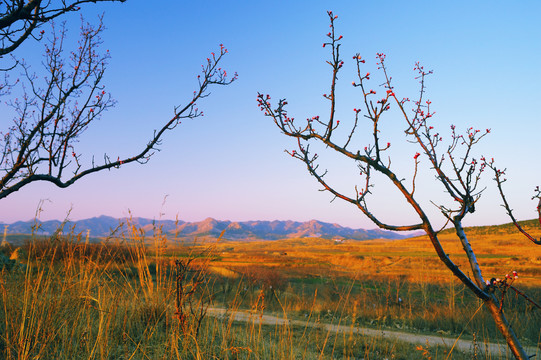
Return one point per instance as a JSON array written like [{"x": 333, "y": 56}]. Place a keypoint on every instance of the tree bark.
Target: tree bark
[{"x": 502, "y": 324}]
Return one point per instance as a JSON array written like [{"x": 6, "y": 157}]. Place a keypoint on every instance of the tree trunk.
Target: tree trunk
[{"x": 505, "y": 329}]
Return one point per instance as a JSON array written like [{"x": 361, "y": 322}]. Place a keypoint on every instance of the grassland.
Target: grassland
[{"x": 65, "y": 299}]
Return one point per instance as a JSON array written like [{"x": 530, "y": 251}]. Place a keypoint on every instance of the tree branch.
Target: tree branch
[
  {"x": 19, "y": 19},
  {"x": 40, "y": 145}
]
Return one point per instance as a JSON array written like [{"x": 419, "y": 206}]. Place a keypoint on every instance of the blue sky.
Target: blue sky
[{"x": 230, "y": 163}]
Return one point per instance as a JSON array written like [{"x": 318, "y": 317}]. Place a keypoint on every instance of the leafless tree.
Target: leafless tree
[
  {"x": 455, "y": 166},
  {"x": 60, "y": 102}
]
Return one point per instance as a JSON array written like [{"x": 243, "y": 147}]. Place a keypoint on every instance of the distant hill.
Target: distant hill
[
  {"x": 103, "y": 226},
  {"x": 507, "y": 228}
]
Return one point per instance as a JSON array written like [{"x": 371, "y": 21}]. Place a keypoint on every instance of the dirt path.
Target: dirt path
[{"x": 447, "y": 342}]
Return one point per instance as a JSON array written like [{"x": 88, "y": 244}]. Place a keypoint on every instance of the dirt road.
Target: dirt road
[{"x": 463, "y": 345}]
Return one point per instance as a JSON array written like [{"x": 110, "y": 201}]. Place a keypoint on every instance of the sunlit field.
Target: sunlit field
[{"x": 155, "y": 297}]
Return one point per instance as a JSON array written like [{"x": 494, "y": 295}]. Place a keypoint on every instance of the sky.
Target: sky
[{"x": 230, "y": 164}]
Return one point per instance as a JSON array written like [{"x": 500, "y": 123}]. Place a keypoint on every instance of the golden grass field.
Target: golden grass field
[
  {"x": 62, "y": 298},
  {"x": 499, "y": 251}
]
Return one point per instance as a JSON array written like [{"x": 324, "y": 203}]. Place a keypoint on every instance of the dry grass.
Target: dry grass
[
  {"x": 73, "y": 300},
  {"x": 499, "y": 251}
]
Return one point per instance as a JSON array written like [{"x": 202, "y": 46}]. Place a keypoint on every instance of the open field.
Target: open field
[
  {"x": 62, "y": 298},
  {"x": 499, "y": 250}
]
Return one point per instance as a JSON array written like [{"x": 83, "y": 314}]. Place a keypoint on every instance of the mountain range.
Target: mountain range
[{"x": 103, "y": 226}]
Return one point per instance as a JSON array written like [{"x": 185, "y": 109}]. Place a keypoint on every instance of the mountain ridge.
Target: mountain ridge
[{"x": 103, "y": 226}]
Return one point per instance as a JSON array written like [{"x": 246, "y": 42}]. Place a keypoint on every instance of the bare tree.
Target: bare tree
[
  {"x": 57, "y": 106},
  {"x": 454, "y": 166}
]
